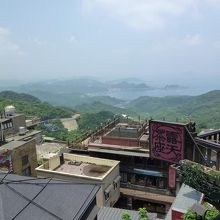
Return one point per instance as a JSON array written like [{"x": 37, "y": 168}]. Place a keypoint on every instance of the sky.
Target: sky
[{"x": 155, "y": 40}]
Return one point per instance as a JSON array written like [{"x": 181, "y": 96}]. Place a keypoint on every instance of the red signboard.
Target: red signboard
[
  {"x": 166, "y": 141},
  {"x": 172, "y": 177}
]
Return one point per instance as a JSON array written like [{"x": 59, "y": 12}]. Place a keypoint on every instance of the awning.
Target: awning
[{"x": 149, "y": 173}]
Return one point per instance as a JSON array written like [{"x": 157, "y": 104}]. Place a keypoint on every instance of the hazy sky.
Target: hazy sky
[{"x": 151, "y": 39}]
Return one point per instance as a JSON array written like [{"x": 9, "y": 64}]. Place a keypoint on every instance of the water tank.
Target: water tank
[
  {"x": 22, "y": 130},
  {"x": 10, "y": 110}
]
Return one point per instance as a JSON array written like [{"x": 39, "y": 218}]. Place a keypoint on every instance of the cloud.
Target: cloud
[
  {"x": 193, "y": 40},
  {"x": 38, "y": 41},
  {"x": 141, "y": 14},
  {"x": 148, "y": 14},
  {"x": 216, "y": 45},
  {"x": 7, "y": 45},
  {"x": 72, "y": 39}
]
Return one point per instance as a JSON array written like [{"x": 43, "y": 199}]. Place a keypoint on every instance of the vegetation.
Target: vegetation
[
  {"x": 209, "y": 215},
  {"x": 19, "y": 97},
  {"x": 126, "y": 215},
  {"x": 203, "y": 109},
  {"x": 98, "y": 106},
  {"x": 88, "y": 122},
  {"x": 203, "y": 179},
  {"x": 143, "y": 214},
  {"x": 190, "y": 215},
  {"x": 31, "y": 106},
  {"x": 141, "y": 211}
]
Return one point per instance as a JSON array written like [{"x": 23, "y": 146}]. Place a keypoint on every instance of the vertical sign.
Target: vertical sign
[
  {"x": 172, "y": 177},
  {"x": 166, "y": 141}
]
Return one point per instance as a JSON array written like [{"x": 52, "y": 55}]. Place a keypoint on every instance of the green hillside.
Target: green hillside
[
  {"x": 18, "y": 97},
  {"x": 204, "y": 109},
  {"x": 98, "y": 106},
  {"x": 32, "y": 106}
]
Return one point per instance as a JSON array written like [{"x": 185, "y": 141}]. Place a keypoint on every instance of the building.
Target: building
[
  {"x": 24, "y": 198},
  {"x": 147, "y": 152},
  {"x": 6, "y": 128},
  {"x": 85, "y": 169},
  {"x": 185, "y": 199},
  {"x": 144, "y": 180},
  {"x": 19, "y": 157},
  {"x": 18, "y": 120}
]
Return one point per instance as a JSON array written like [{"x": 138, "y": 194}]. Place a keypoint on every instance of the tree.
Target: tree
[
  {"x": 143, "y": 214},
  {"x": 126, "y": 215}
]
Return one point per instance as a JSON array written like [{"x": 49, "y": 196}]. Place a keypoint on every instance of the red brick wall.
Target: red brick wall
[{"x": 120, "y": 141}]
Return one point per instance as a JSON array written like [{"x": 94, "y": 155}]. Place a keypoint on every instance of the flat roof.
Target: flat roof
[
  {"x": 82, "y": 168},
  {"x": 27, "y": 135},
  {"x": 120, "y": 152},
  {"x": 13, "y": 144},
  {"x": 79, "y": 166},
  {"x": 127, "y": 132},
  {"x": 112, "y": 146}
]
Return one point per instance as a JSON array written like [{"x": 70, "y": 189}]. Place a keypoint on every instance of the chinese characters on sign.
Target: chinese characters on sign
[{"x": 166, "y": 141}]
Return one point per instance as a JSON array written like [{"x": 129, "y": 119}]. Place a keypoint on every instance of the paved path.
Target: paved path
[{"x": 70, "y": 123}]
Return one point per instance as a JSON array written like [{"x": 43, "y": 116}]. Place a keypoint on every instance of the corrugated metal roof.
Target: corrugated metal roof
[
  {"x": 106, "y": 213},
  {"x": 55, "y": 200}
]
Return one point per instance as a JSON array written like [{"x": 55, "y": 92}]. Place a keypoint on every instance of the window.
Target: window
[
  {"x": 115, "y": 185},
  {"x": 116, "y": 182},
  {"x": 124, "y": 177},
  {"x": 106, "y": 196},
  {"x": 24, "y": 160}
]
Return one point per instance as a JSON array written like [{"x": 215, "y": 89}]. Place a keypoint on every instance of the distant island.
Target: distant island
[{"x": 174, "y": 87}]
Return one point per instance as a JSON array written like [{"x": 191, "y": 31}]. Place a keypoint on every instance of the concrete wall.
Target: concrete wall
[
  {"x": 18, "y": 121},
  {"x": 29, "y": 149},
  {"x": 115, "y": 192},
  {"x": 54, "y": 162}
]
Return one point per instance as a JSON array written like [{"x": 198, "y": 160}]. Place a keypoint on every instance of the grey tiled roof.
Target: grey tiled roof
[{"x": 54, "y": 200}]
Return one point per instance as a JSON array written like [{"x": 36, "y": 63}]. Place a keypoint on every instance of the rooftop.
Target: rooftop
[
  {"x": 79, "y": 166},
  {"x": 13, "y": 144},
  {"x": 128, "y": 132},
  {"x": 125, "y": 152},
  {"x": 47, "y": 150},
  {"x": 43, "y": 198}
]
